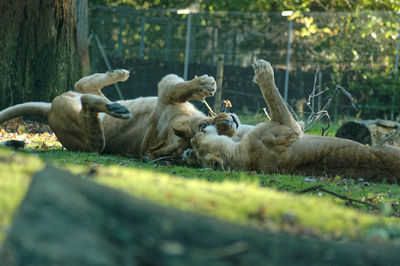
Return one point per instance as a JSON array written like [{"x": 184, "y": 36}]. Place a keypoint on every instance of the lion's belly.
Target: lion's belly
[
  {"x": 138, "y": 134},
  {"x": 126, "y": 136}
]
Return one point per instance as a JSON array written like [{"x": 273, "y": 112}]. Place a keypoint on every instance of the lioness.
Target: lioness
[
  {"x": 152, "y": 126},
  {"x": 279, "y": 145}
]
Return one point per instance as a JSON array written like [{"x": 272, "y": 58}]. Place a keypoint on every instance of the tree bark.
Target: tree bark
[
  {"x": 38, "y": 50},
  {"x": 81, "y": 15}
]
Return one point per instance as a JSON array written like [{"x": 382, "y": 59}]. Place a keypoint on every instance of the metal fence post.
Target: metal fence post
[
  {"x": 121, "y": 28},
  {"x": 319, "y": 89},
  {"x": 103, "y": 53},
  {"x": 141, "y": 47},
  {"x": 168, "y": 42},
  {"x": 396, "y": 64},
  {"x": 214, "y": 43},
  {"x": 187, "y": 48},
  {"x": 395, "y": 70},
  {"x": 288, "y": 60}
]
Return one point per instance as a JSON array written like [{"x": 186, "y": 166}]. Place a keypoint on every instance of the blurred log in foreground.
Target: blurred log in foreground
[
  {"x": 68, "y": 220},
  {"x": 370, "y": 132}
]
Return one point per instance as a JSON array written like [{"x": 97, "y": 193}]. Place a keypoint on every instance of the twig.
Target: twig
[
  {"x": 163, "y": 158},
  {"x": 326, "y": 129},
  {"x": 209, "y": 108},
  {"x": 310, "y": 103},
  {"x": 317, "y": 187},
  {"x": 231, "y": 250},
  {"x": 321, "y": 188},
  {"x": 316, "y": 116},
  {"x": 311, "y": 97},
  {"x": 348, "y": 95},
  {"x": 349, "y": 199},
  {"x": 266, "y": 113},
  {"x": 291, "y": 110},
  {"x": 389, "y": 137}
]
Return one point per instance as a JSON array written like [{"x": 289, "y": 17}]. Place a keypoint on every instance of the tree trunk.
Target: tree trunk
[
  {"x": 81, "y": 15},
  {"x": 38, "y": 50},
  {"x": 370, "y": 132}
]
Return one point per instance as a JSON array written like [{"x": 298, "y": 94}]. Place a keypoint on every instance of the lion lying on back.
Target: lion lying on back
[
  {"x": 279, "y": 145},
  {"x": 152, "y": 126}
]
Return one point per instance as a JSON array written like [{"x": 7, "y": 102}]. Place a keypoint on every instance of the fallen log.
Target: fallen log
[
  {"x": 66, "y": 220},
  {"x": 371, "y": 132}
]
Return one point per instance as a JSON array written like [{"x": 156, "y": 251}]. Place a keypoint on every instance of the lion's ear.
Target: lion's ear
[{"x": 182, "y": 130}]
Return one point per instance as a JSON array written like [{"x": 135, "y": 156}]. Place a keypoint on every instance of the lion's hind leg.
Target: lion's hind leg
[
  {"x": 91, "y": 106},
  {"x": 346, "y": 158},
  {"x": 94, "y": 83},
  {"x": 97, "y": 104},
  {"x": 75, "y": 120}
]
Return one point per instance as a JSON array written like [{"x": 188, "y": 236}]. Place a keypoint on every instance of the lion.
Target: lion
[
  {"x": 279, "y": 145},
  {"x": 85, "y": 120}
]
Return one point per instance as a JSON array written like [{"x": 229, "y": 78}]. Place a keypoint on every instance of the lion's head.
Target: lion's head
[{"x": 226, "y": 124}]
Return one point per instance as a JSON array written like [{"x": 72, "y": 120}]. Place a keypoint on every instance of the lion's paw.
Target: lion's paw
[
  {"x": 187, "y": 154},
  {"x": 120, "y": 74},
  {"x": 203, "y": 86},
  {"x": 118, "y": 111},
  {"x": 263, "y": 71}
]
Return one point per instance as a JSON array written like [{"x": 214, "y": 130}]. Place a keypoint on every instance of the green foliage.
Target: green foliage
[
  {"x": 346, "y": 46},
  {"x": 259, "y": 5},
  {"x": 141, "y": 4},
  {"x": 358, "y": 38},
  {"x": 358, "y": 49},
  {"x": 378, "y": 94}
]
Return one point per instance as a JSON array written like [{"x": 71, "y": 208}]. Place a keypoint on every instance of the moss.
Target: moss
[
  {"x": 15, "y": 176},
  {"x": 247, "y": 204}
]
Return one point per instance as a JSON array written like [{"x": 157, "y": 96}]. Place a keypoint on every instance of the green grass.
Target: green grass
[
  {"x": 248, "y": 198},
  {"x": 316, "y": 129},
  {"x": 264, "y": 201},
  {"x": 15, "y": 177}
]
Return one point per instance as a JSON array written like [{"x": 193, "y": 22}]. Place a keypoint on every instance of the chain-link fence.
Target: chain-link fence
[{"x": 347, "y": 48}]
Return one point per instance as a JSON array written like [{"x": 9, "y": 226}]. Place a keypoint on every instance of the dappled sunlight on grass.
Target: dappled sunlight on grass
[
  {"x": 15, "y": 177},
  {"x": 244, "y": 197}
]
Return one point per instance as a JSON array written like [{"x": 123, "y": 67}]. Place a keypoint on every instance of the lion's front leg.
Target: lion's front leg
[
  {"x": 264, "y": 77},
  {"x": 173, "y": 89},
  {"x": 94, "y": 83}
]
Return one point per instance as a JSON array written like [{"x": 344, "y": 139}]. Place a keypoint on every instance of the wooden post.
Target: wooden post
[{"x": 220, "y": 76}]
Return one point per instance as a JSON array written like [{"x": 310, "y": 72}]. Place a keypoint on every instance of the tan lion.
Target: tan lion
[
  {"x": 279, "y": 145},
  {"x": 152, "y": 126}
]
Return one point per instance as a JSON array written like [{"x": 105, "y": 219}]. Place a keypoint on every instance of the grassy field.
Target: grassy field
[{"x": 270, "y": 202}]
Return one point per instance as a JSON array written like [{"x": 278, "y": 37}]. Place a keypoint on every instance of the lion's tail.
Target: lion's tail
[{"x": 39, "y": 109}]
